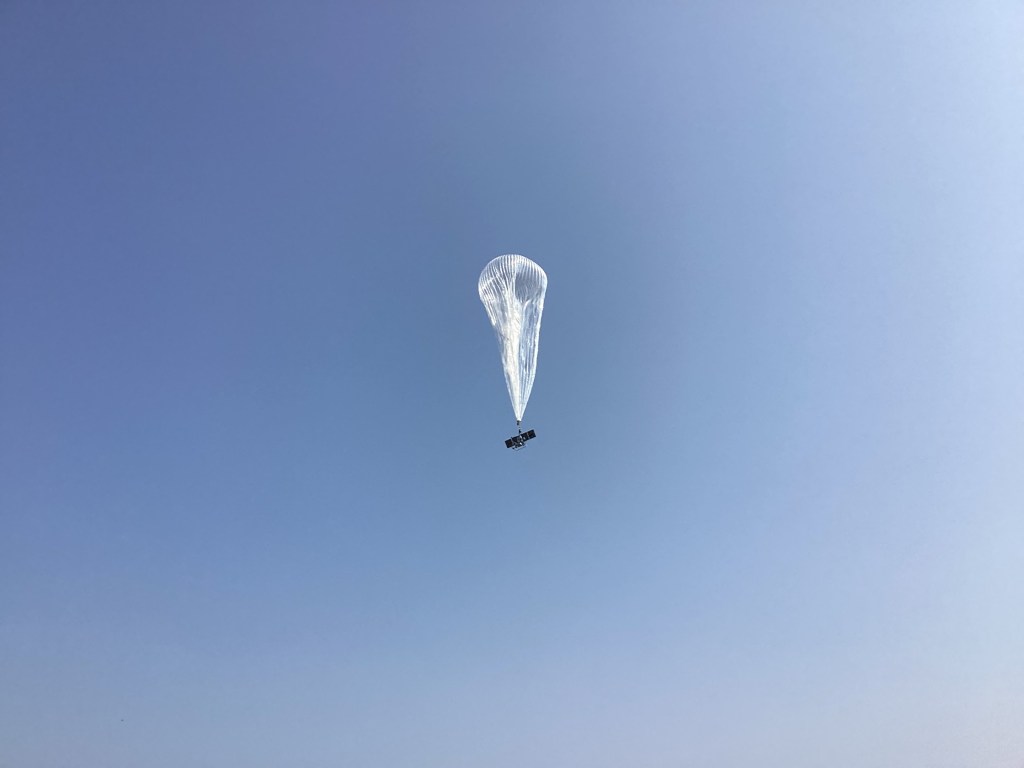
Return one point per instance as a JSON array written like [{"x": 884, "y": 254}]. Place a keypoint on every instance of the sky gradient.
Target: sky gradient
[{"x": 255, "y": 506}]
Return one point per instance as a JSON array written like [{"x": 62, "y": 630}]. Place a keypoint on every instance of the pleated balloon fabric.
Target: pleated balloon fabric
[{"x": 512, "y": 290}]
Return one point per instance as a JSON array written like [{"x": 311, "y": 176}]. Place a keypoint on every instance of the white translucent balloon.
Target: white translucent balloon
[{"x": 512, "y": 289}]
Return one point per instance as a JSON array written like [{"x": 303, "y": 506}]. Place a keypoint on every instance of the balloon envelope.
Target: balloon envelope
[{"x": 512, "y": 289}]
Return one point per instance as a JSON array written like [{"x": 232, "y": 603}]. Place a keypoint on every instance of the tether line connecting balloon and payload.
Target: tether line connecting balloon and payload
[{"x": 512, "y": 290}]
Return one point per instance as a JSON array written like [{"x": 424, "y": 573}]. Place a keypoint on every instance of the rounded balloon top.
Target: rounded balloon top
[
  {"x": 512, "y": 290},
  {"x": 515, "y": 272}
]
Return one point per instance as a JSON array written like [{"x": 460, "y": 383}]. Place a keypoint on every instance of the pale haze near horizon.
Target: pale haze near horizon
[{"x": 255, "y": 506}]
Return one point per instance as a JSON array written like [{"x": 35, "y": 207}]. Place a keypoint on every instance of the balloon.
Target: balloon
[{"x": 512, "y": 289}]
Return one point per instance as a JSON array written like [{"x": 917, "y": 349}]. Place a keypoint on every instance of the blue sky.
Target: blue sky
[{"x": 255, "y": 508}]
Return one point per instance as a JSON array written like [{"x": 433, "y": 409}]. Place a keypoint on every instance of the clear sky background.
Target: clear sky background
[{"x": 255, "y": 507}]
